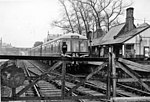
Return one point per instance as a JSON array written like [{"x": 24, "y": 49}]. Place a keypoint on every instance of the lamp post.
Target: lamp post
[{"x": 64, "y": 50}]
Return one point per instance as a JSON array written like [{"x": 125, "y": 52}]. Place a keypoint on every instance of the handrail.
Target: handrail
[{"x": 65, "y": 58}]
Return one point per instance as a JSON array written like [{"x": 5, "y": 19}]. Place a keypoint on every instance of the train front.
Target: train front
[{"x": 76, "y": 46}]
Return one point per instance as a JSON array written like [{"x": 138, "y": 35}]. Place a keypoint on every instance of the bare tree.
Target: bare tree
[
  {"x": 85, "y": 15},
  {"x": 67, "y": 14},
  {"x": 106, "y": 11},
  {"x": 76, "y": 13},
  {"x": 112, "y": 12}
]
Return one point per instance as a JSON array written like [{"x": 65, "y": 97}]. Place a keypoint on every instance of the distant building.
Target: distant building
[{"x": 8, "y": 49}]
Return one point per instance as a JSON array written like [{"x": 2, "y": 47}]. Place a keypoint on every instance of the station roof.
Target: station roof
[
  {"x": 97, "y": 41},
  {"x": 115, "y": 36},
  {"x": 110, "y": 37}
]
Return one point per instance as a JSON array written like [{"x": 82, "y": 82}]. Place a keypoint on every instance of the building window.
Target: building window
[
  {"x": 129, "y": 50},
  {"x": 146, "y": 52}
]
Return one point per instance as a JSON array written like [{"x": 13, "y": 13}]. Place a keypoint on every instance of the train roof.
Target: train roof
[{"x": 67, "y": 36}]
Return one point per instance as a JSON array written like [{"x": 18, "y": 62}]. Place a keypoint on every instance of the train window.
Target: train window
[
  {"x": 48, "y": 48},
  {"x": 54, "y": 45},
  {"x": 58, "y": 46},
  {"x": 58, "y": 49},
  {"x": 75, "y": 45},
  {"x": 83, "y": 46},
  {"x": 51, "y": 47},
  {"x": 45, "y": 49}
]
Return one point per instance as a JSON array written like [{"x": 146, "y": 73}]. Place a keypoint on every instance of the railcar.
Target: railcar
[
  {"x": 77, "y": 46},
  {"x": 35, "y": 51}
]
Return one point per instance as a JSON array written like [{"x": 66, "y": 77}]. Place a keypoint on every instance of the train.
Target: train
[{"x": 77, "y": 46}]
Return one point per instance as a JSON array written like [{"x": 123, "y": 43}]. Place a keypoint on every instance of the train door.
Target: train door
[{"x": 146, "y": 51}]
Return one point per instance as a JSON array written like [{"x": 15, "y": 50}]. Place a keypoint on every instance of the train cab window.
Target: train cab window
[
  {"x": 83, "y": 46},
  {"x": 75, "y": 45},
  {"x": 68, "y": 46},
  {"x": 59, "y": 48}
]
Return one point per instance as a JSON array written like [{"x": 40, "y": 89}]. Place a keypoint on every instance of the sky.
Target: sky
[{"x": 23, "y": 22}]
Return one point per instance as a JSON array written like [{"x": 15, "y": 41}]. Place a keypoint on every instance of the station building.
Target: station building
[{"x": 126, "y": 39}]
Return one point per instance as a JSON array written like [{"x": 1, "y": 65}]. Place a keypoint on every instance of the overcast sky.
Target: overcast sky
[{"x": 22, "y": 22}]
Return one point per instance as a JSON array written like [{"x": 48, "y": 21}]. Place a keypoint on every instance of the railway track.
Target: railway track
[
  {"x": 135, "y": 90},
  {"x": 53, "y": 88},
  {"x": 42, "y": 88}
]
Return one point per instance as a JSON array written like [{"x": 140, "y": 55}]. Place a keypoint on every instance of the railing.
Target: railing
[
  {"x": 111, "y": 73},
  {"x": 64, "y": 59}
]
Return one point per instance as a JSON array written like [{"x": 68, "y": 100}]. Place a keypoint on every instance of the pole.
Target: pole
[
  {"x": 114, "y": 74},
  {"x": 89, "y": 35},
  {"x": 90, "y": 48},
  {"x": 63, "y": 79},
  {"x": 13, "y": 92},
  {"x": 108, "y": 77}
]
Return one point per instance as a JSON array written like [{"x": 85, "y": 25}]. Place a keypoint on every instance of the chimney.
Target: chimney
[{"x": 129, "y": 19}]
